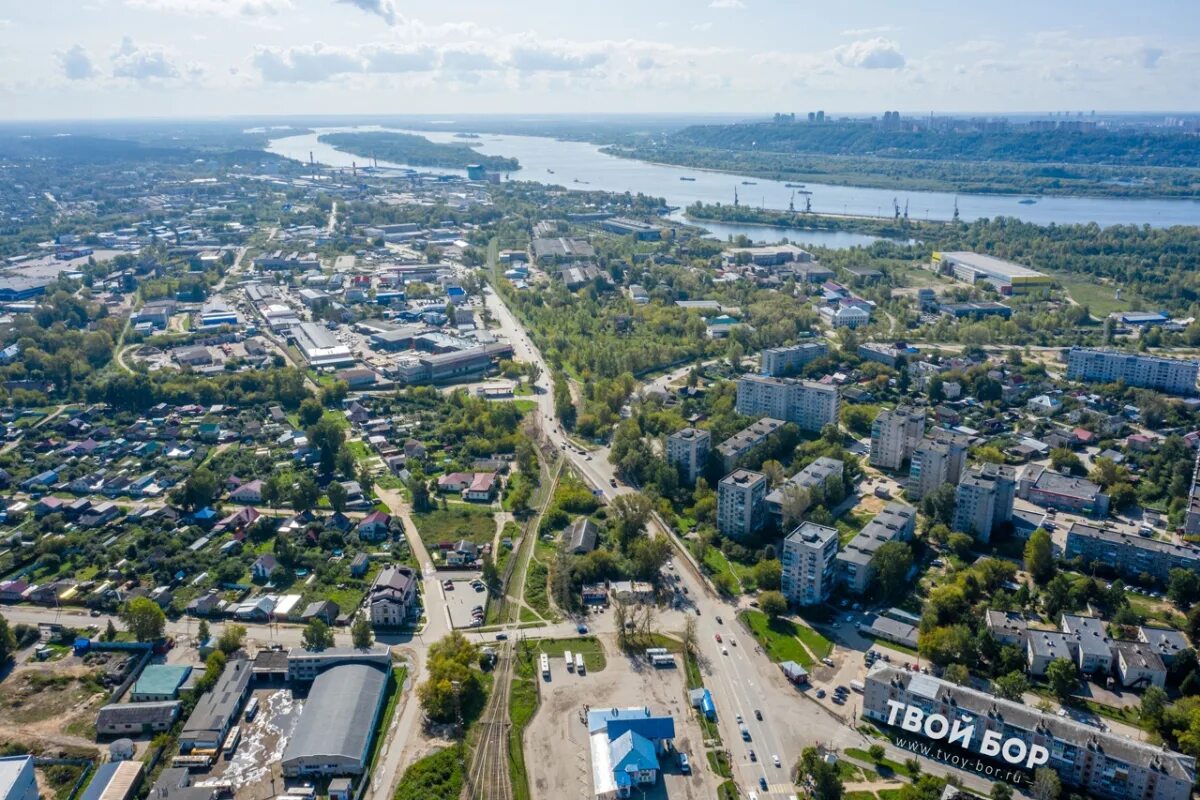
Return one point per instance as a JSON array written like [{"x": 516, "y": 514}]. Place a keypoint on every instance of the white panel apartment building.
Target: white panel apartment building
[
  {"x": 741, "y": 503},
  {"x": 1096, "y": 365},
  {"x": 938, "y": 459},
  {"x": 780, "y": 361},
  {"x": 688, "y": 450},
  {"x": 984, "y": 499},
  {"x": 895, "y": 435},
  {"x": 808, "y": 404},
  {"x": 808, "y": 559}
]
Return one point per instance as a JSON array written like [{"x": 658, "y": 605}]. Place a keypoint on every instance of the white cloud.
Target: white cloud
[
  {"x": 386, "y": 58},
  {"x": 76, "y": 63},
  {"x": 384, "y": 9},
  {"x": 468, "y": 59},
  {"x": 221, "y": 8},
  {"x": 701, "y": 26},
  {"x": 727, "y": 4},
  {"x": 305, "y": 64},
  {"x": 540, "y": 59},
  {"x": 877, "y": 53},
  {"x": 1150, "y": 56},
  {"x": 150, "y": 62},
  {"x": 875, "y": 31}
]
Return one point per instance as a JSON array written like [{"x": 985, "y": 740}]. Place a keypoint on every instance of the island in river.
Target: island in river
[{"x": 417, "y": 151}]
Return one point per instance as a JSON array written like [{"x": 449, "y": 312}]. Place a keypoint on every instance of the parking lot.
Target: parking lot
[
  {"x": 558, "y": 751},
  {"x": 463, "y": 598}
]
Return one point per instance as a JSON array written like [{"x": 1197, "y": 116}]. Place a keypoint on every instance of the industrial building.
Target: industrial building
[
  {"x": 133, "y": 719},
  {"x": 623, "y": 226},
  {"x": 808, "y": 404},
  {"x": 1063, "y": 492},
  {"x": 688, "y": 450},
  {"x": 1006, "y": 277},
  {"x": 306, "y": 665},
  {"x": 562, "y": 249},
  {"x": 741, "y": 503},
  {"x": 160, "y": 682},
  {"x": 808, "y": 559},
  {"x": 17, "y": 780},
  {"x": 1097, "y": 762},
  {"x": 115, "y": 780},
  {"x": 1097, "y": 365},
  {"x": 320, "y": 347},
  {"x": 216, "y": 710},
  {"x": 333, "y": 736}
]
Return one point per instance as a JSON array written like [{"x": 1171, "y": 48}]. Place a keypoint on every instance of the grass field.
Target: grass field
[
  {"x": 817, "y": 644},
  {"x": 778, "y": 638},
  {"x": 535, "y": 588},
  {"x": 456, "y": 522},
  {"x": 589, "y": 646},
  {"x": 1099, "y": 298},
  {"x": 522, "y": 705}
]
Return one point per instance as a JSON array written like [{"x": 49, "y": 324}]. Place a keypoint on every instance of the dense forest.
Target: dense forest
[
  {"x": 416, "y": 151},
  {"x": 1016, "y": 161}
]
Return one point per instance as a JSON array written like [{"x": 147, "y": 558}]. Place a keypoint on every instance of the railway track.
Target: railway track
[{"x": 487, "y": 774}]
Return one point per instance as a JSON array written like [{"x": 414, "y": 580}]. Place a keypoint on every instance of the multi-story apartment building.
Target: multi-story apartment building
[
  {"x": 1055, "y": 490},
  {"x": 741, "y": 503},
  {"x": 809, "y": 557},
  {"x": 688, "y": 451},
  {"x": 984, "y": 499},
  {"x": 1095, "y": 762},
  {"x": 808, "y": 404},
  {"x": 781, "y": 361},
  {"x": 1130, "y": 556},
  {"x": 1097, "y": 365},
  {"x": 895, "y": 434},
  {"x": 938, "y": 459},
  {"x": 894, "y": 523},
  {"x": 813, "y": 479},
  {"x": 746, "y": 440}
]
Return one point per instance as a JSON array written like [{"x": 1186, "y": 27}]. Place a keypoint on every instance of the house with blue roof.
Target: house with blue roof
[{"x": 626, "y": 745}]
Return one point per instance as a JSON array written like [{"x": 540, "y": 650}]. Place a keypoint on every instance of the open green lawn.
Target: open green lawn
[
  {"x": 778, "y": 638},
  {"x": 456, "y": 522},
  {"x": 817, "y": 644},
  {"x": 1099, "y": 298},
  {"x": 535, "y": 588},
  {"x": 589, "y": 646},
  {"x": 358, "y": 450}
]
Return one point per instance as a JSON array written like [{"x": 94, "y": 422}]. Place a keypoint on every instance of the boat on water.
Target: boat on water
[
  {"x": 549, "y": 170},
  {"x": 749, "y": 183},
  {"x": 794, "y": 185},
  {"x": 579, "y": 181},
  {"x": 1027, "y": 201},
  {"x": 686, "y": 178}
]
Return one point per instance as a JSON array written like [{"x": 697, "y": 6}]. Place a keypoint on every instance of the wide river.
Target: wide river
[{"x": 579, "y": 165}]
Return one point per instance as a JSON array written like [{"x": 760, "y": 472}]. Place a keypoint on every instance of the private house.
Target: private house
[
  {"x": 392, "y": 596},
  {"x": 581, "y": 536},
  {"x": 482, "y": 487},
  {"x": 374, "y": 527},
  {"x": 262, "y": 568},
  {"x": 248, "y": 493}
]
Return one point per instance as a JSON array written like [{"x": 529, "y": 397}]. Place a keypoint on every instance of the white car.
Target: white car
[
  {"x": 776, "y": 760},
  {"x": 724, "y": 651}
]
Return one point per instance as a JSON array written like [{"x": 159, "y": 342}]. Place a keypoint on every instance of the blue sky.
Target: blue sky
[{"x": 115, "y": 58}]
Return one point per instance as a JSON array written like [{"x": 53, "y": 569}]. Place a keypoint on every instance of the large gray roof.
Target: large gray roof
[{"x": 339, "y": 713}]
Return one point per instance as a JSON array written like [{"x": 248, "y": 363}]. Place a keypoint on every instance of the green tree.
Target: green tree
[
  {"x": 1039, "y": 556},
  {"x": 627, "y": 517},
  {"x": 767, "y": 574},
  {"x": 822, "y": 778},
  {"x": 200, "y": 488},
  {"x": 453, "y": 683},
  {"x": 232, "y": 639},
  {"x": 361, "y": 633},
  {"x": 144, "y": 619},
  {"x": 202, "y": 631},
  {"x": 305, "y": 493},
  {"x": 110, "y": 631},
  {"x": 1183, "y": 587},
  {"x": 1046, "y": 784},
  {"x": 1154, "y": 703},
  {"x": 1011, "y": 686},
  {"x": 890, "y": 565},
  {"x": 773, "y": 604},
  {"x": 337, "y": 496},
  {"x": 957, "y": 673},
  {"x": 317, "y": 635},
  {"x": 1061, "y": 458},
  {"x": 1063, "y": 677},
  {"x": 876, "y": 752},
  {"x": 938, "y": 505},
  {"x": 310, "y": 412},
  {"x": 8, "y": 641},
  {"x": 1001, "y": 791}
]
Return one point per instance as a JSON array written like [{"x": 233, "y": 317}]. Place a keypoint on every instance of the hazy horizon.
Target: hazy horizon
[{"x": 232, "y": 59}]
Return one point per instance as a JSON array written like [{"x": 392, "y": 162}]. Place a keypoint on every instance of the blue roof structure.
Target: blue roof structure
[
  {"x": 631, "y": 754},
  {"x": 617, "y": 721}
]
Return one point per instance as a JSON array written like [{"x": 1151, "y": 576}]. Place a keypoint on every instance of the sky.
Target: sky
[{"x": 85, "y": 59}]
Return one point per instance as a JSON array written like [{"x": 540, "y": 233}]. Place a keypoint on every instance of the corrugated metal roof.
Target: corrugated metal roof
[{"x": 339, "y": 714}]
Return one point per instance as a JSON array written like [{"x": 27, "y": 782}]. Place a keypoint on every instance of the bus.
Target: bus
[
  {"x": 545, "y": 664},
  {"x": 570, "y": 661},
  {"x": 232, "y": 740},
  {"x": 251, "y": 709},
  {"x": 651, "y": 652},
  {"x": 192, "y": 762},
  {"x": 858, "y": 686},
  {"x": 662, "y": 660},
  {"x": 579, "y": 668}
]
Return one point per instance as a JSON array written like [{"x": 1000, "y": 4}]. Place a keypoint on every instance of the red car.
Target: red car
[{"x": 718, "y": 637}]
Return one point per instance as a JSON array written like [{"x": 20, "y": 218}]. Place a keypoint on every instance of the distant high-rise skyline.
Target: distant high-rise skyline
[{"x": 186, "y": 58}]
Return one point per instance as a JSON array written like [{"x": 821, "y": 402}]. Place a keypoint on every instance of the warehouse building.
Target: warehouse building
[
  {"x": 116, "y": 780},
  {"x": 1007, "y": 277},
  {"x": 160, "y": 682},
  {"x": 132, "y": 719},
  {"x": 1094, "y": 761},
  {"x": 333, "y": 736},
  {"x": 17, "y": 780},
  {"x": 205, "y": 729},
  {"x": 320, "y": 347}
]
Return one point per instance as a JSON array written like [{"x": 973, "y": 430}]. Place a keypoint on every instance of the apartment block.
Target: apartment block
[
  {"x": 781, "y": 361},
  {"x": 1064, "y": 492},
  {"x": 745, "y": 440},
  {"x": 809, "y": 558},
  {"x": 895, "y": 523},
  {"x": 1093, "y": 761},
  {"x": 938, "y": 459},
  {"x": 812, "y": 479},
  {"x": 1098, "y": 365},
  {"x": 895, "y": 434},
  {"x": 1127, "y": 555},
  {"x": 808, "y": 404},
  {"x": 741, "y": 503},
  {"x": 688, "y": 450},
  {"x": 984, "y": 499}
]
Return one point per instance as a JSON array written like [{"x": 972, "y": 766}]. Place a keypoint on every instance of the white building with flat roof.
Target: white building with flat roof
[
  {"x": 895, "y": 434},
  {"x": 808, "y": 560},
  {"x": 741, "y": 503},
  {"x": 808, "y": 404},
  {"x": 17, "y": 781},
  {"x": 688, "y": 450},
  {"x": 1097, "y": 365}
]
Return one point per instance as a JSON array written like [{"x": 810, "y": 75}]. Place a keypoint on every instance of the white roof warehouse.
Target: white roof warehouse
[{"x": 333, "y": 736}]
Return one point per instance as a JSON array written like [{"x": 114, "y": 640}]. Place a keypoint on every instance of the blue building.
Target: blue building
[{"x": 626, "y": 745}]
